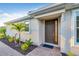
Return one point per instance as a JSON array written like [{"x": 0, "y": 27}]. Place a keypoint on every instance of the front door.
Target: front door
[{"x": 50, "y": 32}]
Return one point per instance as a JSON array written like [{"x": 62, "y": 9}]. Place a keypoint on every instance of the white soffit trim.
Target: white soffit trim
[
  {"x": 46, "y": 7},
  {"x": 51, "y": 13}
]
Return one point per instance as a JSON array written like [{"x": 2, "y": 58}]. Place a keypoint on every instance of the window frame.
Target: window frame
[
  {"x": 77, "y": 27},
  {"x": 29, "y": 26},
  {"x": 74, "y": 18}
]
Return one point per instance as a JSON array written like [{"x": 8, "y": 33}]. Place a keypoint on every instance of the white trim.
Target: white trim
[
  {"x": 46, "y": 7},
  {"x": 44, "y": 32},
  {"x": 52, "y": 13}
]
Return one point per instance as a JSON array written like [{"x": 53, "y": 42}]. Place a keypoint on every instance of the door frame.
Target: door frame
[{"x": 56, "y": 45}]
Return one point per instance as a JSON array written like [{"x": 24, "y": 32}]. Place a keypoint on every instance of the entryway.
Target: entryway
[{"x": 51, "y": 32}]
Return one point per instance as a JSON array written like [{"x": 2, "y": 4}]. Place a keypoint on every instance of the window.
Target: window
[
  {"x": 77, "y": 25},
  {"x": 27, "y": 26}
]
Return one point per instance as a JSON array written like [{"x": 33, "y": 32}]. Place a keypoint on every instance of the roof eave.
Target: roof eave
[
  {"x": 66, "y": 6},
  {"x": 19, "y": 19},
  {"x": 49, "y": 9}
]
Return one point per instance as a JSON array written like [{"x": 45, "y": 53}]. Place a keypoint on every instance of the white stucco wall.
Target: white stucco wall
[
  {"x": 35, "y": 31},
  {"x": 38, "y": 31},
  {"x": 42, "y": 31},
  {"x": 66, "y": 31}
]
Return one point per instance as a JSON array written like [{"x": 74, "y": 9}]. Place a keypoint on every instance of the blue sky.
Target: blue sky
[{"x": 10, "y": 11}]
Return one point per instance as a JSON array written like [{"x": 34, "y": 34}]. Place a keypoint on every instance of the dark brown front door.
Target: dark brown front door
[{"x": 50, "y": 32}]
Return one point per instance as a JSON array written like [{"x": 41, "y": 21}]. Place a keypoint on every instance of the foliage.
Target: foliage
[
  {"x": 19, "y": 27},
  {"x": 29, "y": 42},
  {"x": 7, "y": 36},
  {"x": 3, "y": 31},
  {"x": 24, "y": 47},
  {"x": 17, "y": 40},
  {"x": 10, "y": 39},
  {"x": 26, "y": 44},
  {"x": 2, "y": 35},
  {"x": 70, "y": 53}
]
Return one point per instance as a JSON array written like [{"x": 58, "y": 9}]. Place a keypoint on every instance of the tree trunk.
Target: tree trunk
[
  {"x": 5, "y": 34},
  {"x": 19, "y": 38},
  {"x": 15, "y": 38}
]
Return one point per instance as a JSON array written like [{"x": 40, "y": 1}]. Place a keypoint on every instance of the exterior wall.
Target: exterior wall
[
  {"x": 66, "y": 31},
  {"x": 42, "y": 31},
  {"x": 35, "y": 31},
  {"x": 38, "y": 31}
]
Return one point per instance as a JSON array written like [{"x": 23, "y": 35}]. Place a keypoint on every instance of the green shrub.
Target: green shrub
[
  {"x": 2, "y": 35},
  {"x": 17, "y": 40},
  {"x": 10, "y": 39},
  {"x": 29, "y": 42},
  {"x": 7, "y": 36},
  {"x": 3, "y": 30},
  {"x": 24, "y": 47},
  {"x": 70, "y": 53}
]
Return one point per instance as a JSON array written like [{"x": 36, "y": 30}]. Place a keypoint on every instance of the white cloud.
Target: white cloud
[{"x": 4, "y": 17}]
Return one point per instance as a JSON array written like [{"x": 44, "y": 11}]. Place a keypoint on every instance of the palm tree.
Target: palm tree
[{"x": 19, "y": 27}]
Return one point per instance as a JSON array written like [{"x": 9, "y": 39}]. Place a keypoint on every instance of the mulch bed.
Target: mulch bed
[{"x": 17, "y": 48}]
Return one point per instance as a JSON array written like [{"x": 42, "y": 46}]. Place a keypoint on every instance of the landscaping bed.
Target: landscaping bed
[
  {"x": 14, "y": 41},
  {"x": 18, "y": 48}
]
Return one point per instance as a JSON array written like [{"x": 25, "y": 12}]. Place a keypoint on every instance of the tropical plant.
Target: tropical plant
[
  {"x": 3, "y": 31},
  {"x": 17, "y": 40},
  {"x": 24, "y": 47},
  {"x": 70, "y": 53},
  {"x": 29, "y": 42},
  {"x": 7, "y": 36},
  {"x": 10, "y": 39},
  {"x": 19, "y": 27},
  {"x": 26, "y": 44},
  {"x": 2, "y": 35}
]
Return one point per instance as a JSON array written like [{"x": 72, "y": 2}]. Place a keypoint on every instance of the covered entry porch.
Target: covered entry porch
[
  {"x": 54, "y": 28},
  {"x": 50, "y": 29}
]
